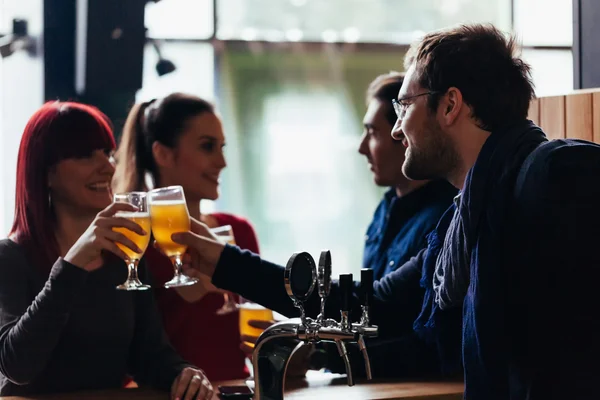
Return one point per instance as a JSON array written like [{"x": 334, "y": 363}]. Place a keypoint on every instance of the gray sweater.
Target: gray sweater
[{"x": 72, "y": 330}]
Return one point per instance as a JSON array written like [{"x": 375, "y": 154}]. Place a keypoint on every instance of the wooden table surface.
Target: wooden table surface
[{"x": 316, "y": 386}]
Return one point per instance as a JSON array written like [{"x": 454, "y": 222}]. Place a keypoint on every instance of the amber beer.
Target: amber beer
[
  {"x": 253, "y": 311},
  {"x": 169, "y": 217},
  {"x": 143, "y": 220}
]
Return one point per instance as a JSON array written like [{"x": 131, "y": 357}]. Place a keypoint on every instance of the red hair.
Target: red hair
[{"x": 58, "y": 130}]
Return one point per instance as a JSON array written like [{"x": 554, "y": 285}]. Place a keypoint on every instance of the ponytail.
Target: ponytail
[{"x": 134, "y": 155}]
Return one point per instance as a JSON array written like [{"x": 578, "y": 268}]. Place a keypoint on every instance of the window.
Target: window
[
  {"x": 383, "y": 21},
  {"x": 180, "y": 19},
  {"x": 547, "y": 42}
]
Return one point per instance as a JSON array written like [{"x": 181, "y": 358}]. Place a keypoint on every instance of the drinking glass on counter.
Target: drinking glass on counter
[
  {"x": 252, "y": 311},
  {"x": 142, "y": 218},
  {"x": 169, "y": 214},
  {"x": 225, "y": 234}
]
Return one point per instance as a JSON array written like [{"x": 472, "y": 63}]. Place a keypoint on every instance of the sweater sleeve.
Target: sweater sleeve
[
  {"x": 153, "y": 361},
  {"x": 398, "y": 294},
  {"x": 31, "y": 324}
]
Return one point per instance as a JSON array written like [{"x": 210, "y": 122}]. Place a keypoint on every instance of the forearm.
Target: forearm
[
  {"x": 27, "y": 341},
  {"x": 253, "y": 278}
]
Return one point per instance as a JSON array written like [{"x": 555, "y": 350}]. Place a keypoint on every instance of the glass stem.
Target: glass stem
[
  {"x": 177, "y": 264},
  {"x": 133, "y": 274}
]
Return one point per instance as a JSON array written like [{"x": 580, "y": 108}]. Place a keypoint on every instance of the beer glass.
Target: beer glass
[
  {"x": 225, "y": 234},
  {"x": 169, "y": 214},
  {"x": 142, "y": 218},
  {"x": 252, "y": 311}
]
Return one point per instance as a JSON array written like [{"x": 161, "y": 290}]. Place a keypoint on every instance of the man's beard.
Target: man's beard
[{"x": 435, "y": 158}]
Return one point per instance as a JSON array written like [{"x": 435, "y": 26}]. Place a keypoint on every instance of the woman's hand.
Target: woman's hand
[
  {"x": 194, "y": 384},
  {"x": 87, "y": 250}
]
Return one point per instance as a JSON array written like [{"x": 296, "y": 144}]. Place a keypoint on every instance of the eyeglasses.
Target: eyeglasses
[{"x": 400, "y": 105}]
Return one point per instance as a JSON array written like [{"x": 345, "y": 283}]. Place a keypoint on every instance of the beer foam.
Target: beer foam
[
  {"x": 132, "y": 214},
  {"x": 252, "y": 306},
  {"x": 167, "y": 203}
]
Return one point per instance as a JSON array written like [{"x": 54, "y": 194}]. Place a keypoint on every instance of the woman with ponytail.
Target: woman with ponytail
[{"x": 179, "y": 140}]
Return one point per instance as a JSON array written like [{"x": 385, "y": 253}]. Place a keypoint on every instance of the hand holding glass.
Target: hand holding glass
[
  {"x": 142, "y": 218},
  {"x": 169, "y": 214}
]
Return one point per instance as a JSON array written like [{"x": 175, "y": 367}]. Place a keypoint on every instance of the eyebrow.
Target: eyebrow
[{"x": 207, "y": 137}]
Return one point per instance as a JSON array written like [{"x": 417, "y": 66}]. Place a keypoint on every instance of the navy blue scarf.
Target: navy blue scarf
[
  {"x": 489, "y": 182},
  {"x": 468, "y": 235}
]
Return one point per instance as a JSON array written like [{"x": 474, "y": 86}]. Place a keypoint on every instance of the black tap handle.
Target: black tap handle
[
  {"x": 346, "y": 284},
  {"x": 366, "y": 286}
]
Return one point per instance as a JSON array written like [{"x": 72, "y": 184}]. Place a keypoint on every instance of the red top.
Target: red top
[{"x": 200, "y": 336}]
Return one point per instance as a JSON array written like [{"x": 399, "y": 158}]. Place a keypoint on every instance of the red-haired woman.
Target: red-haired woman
[{"x": 63, "y": 325}]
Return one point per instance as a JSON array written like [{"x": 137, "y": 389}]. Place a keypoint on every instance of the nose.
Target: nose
[
  {"x": 221, "y": 161},
  {"x": 106, "y": 163},
  {"x": 362, "y": 145},
  {"x": 397, "y": 133}
]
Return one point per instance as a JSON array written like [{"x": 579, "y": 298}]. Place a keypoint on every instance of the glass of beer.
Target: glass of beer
[
  {"x": 252, "y": 311},
  {"x": 142, "y": 218},
  {"x": 225, "y": 234},
  {"x": 169, "y": 214}
]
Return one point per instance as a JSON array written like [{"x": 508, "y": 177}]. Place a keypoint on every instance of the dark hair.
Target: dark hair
[
  {"x": 480, "y": 61},
  {"x": 55, "y": 132},
  {"x": 385, "y": 88},
  {"x": 162, "y": 121}
]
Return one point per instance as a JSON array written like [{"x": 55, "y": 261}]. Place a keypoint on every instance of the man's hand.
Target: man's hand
[{"x": 204, "y": 249}]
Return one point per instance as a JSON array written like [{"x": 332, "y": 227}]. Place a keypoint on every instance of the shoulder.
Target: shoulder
[
  {"x": 12, "y": 258},
  {"x": 245, "y": 235},
  {"x": 558, "y": 177},
  {"x": 10, "y": 250},
  {"x": 235, "y": 221},
  {"x": 560, "y": 162}
]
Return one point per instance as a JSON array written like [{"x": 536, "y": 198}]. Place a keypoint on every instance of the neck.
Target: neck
[
  {"x": 468, "y": 150},
  {"x": 404, "y": 188},
  {"x": 194, "y": 209},
  {"x": 70, "y": 226}
]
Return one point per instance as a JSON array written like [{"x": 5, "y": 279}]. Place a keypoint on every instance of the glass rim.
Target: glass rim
[
  {"x": 135, "y": 192},
  {"x": 166, "y": 188}
]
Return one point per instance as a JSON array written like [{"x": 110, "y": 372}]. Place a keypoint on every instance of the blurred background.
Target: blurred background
[{"x": 288, "y": 77}]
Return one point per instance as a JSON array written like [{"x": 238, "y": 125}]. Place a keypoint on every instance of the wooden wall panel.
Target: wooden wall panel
[
  {"x": 596, "y": 117},
  {"x": 578, "y": 118},
  {"x": 552, "y": 116},
  {"x": 534, "y": 111}
]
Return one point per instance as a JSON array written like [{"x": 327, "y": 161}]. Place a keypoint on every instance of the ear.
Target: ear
[
  {"x": 451, "y": 105},
  {"x": 163, "y": 155}
]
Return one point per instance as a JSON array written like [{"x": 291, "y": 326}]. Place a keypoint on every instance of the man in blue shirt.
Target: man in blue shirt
[{"x": 410, "y": 209}]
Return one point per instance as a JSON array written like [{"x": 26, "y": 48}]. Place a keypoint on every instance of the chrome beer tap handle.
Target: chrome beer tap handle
[
  {"x": 366, "y": 286},
  {"x": 324, "y": 283},
  {"x": 341, "y": 346}
]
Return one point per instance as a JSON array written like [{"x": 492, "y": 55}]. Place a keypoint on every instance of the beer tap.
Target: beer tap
[{"x": 276, "y": 345}]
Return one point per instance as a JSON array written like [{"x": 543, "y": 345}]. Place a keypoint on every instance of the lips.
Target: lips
[
  {"x": 212, "y": 178},
  {"x": 99, "y": 186}
]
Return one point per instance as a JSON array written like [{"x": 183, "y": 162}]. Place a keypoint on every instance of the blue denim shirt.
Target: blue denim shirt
[{"x": 400, "y": 225}]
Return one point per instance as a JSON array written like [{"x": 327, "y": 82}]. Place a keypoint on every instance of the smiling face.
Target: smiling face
[
  {"x": 430, "y": 152},
  {"x": 384, "y": 154},
  {"x": 82, "y": 183},
  {"x": 197, "y": 159}
]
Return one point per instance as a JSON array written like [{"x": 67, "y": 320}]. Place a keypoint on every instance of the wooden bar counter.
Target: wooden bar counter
[{"x": 317, "y": 385}]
